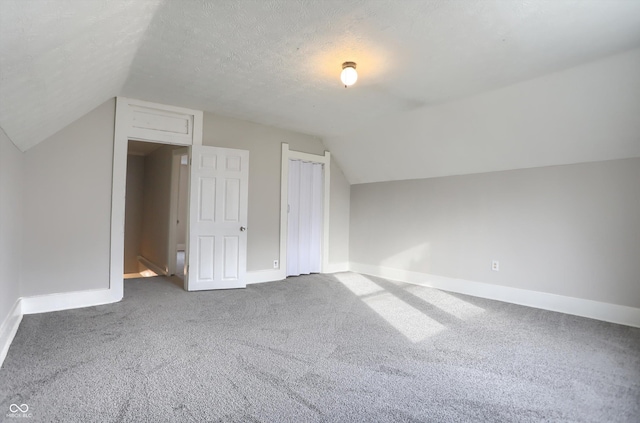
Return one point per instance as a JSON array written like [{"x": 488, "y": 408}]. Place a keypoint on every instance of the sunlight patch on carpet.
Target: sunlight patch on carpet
[
  {"x": 447, "y": 302},
  {"x": 406, "y": 319}
]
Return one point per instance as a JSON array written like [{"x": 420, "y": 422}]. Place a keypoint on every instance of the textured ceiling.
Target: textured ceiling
[
  {"x": 277, "y": 62},
  {"x": 60, "y": 59}
]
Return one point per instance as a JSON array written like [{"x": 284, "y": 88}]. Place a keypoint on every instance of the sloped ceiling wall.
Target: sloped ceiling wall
[
  {"x": 61, "y": 59},
  {"x": 583, "y": 114},
  {"x": 277, "y": 62}
]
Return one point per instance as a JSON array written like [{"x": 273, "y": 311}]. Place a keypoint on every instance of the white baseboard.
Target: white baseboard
[
  {"x": 272, "y": 275},
  {"x": 152, "y": 266},
  {"x": 337, "y": 267},
  {"x": 68, "y": 300},
  {"x": 9, "y": 328},
  {"x": 269, "y": 275},
  {"x": 613, "y": 313}
]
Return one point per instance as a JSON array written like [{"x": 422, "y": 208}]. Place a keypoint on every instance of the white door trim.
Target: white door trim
[
  {"x": 143, "y": 121},
  {"x": 284, "y": 201}
]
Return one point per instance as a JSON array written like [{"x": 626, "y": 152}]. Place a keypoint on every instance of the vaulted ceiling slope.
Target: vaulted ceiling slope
[{"x": 277, "y": 62}]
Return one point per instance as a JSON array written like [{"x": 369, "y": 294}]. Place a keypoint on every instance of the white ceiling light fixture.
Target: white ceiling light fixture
[{"x": 349, "y": 76}]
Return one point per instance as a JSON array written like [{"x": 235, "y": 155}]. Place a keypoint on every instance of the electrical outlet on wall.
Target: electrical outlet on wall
[
  {"x": 495, "y": 265},
  {"x": 276, "y": 264}
]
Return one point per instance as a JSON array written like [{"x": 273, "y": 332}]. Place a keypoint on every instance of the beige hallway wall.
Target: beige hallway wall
[
  {"x": 133, "y": 212},
  {"x": 155, "y": 206}
]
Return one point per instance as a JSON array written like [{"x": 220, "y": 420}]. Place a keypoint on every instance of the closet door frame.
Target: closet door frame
[{"x": 284, "y": 202}]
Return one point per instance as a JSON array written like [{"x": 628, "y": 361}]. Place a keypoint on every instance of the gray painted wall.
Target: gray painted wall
[
  {"x": 67, "y": 207},
  {"x": 133, "y": 212},
  {"x": 11, "y": 189},
  {"x": 265, "y": 150},
  {"x": 570, "y": 230},
  {"x": 339, "y": 216},
  {"x": 68, "y": 199}
]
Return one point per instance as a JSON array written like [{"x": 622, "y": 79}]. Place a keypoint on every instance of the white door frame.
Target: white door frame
[
  {"x": 141, "y": 121},
  {"x": 172, "y": 248},
  {"x": 284, "y": 202}
]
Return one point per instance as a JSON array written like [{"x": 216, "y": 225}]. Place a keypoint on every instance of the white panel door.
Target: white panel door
[{"x": 218, "y": 218}]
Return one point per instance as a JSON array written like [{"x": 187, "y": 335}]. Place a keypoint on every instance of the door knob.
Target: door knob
[{"x": 242, "y": 229}]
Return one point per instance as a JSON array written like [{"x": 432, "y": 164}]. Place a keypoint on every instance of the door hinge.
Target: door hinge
[
  {"x": 187, "y": 269},
  {"x": 190, "y": 161}
]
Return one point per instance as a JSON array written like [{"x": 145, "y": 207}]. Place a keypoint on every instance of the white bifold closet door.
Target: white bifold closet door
[{"x": 304, "y": 239}]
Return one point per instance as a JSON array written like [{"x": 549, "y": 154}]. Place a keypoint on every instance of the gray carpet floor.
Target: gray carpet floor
[{"x": 320, "y": 348}]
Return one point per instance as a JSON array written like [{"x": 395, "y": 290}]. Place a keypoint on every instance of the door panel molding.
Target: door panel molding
[{"x": 219, "y": 199}]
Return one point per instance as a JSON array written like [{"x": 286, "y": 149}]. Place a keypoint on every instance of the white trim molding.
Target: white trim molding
[
  {"x": 67, "y": 301},
  {"x": 9, "y": 328},
  {"x": 613, "y": 313},
  {"x": 48, "y": 303},
  {"x": 337, "y": 267},
  {"x": 275, "y": 275},
  {"x": 152, "y": 266},
  {"x": 284, "y": 203},
  {"x": 260, "y": 276}
]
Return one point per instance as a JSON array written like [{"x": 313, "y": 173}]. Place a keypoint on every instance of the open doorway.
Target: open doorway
[
  {"x": 218, "y": 197},
  {"x": 151, "y": 206}
]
